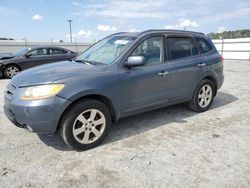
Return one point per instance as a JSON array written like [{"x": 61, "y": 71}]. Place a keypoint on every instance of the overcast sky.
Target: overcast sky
[{"x": 41, "y": 20}]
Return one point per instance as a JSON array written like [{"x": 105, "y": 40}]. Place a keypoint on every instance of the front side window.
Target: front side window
[
  {"x": 180, "y": 47},
  {"x": 151, "y": 49},
  {"x": 204, "y": 45},
  {"x": 106, "y": 50},
  {"x": 38, "y": 52}
]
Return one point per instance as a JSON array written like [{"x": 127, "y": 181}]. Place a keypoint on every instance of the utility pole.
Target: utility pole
[
  {"x": 70, "y": 30},
  {"x": 222, "y": 45}
]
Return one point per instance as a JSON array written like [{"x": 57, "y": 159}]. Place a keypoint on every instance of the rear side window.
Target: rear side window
[
  {"x": 180, "y": 47},
  {"x": 204, "y": 45},
  {"x": 56, "y": 51}
]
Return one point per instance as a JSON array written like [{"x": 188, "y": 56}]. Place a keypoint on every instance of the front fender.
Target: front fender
[{"x": 88, "y": 87}]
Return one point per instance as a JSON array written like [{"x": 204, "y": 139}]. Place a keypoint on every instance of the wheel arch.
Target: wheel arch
[
  {"x": 9, "y": 64},
  {"x": 208, "y": 77},
  {"x": 3, "y": 68},
  {"x": 212, "y": 79},
  {"x": 105, "y": 100}
]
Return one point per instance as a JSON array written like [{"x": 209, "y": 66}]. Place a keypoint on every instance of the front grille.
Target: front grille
[{"x": 10, "y": 90}]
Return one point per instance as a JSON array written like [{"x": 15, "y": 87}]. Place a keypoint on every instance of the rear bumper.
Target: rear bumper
[
  {"x": 1, "y": 70},
  {"x": 220, "y": 81},
  {"x": 40, "y": 116}
]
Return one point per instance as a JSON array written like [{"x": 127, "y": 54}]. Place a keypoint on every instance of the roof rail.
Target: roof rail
[{"x": 170, "y": 30}]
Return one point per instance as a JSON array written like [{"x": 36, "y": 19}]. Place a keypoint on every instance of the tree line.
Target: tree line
[{"x": 243, "y": 33}]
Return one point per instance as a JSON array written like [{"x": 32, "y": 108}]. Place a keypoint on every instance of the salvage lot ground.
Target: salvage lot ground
[{"x": 171, "y": 147}]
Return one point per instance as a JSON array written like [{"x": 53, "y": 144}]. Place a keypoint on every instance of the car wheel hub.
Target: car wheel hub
[
  {"x": 12, "y": 71},
  {"x": 205, "y": 96},
  {"x": 89, "y": 126}
]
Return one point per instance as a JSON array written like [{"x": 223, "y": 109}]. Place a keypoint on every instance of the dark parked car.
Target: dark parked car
[
  {"x": 30, "y": 57},
  {"x": 121, "y": 75}
]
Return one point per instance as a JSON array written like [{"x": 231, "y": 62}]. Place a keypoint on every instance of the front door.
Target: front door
[
  {"x": 35, "y": 57},
  {"x": 146, "y": 86}
]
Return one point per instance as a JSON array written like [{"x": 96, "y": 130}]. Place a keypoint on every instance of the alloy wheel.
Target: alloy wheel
[
  {"x": 205, "y": 96},
  {"x": 89, "y": 126},
  {"x": 12, "y": 71}
]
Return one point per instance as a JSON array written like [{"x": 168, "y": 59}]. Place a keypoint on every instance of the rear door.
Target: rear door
[
  {"x": 185, "y": 66},
  {"x": 56, "y": 54}
]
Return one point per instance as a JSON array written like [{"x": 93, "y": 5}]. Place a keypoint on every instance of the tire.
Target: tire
[
  {"x": 11, "y": 70},
  {"x": 85, "y": 124},
  {"x": 201, "y": 100}
]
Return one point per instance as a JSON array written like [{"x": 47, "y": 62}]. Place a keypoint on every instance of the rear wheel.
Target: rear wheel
[
  {"x": 85, "y": 124},
  {"x": 10, "y": 71},
  {"x": 203, "y": 96}
]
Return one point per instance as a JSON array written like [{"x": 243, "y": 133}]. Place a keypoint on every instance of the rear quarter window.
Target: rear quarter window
[
  {"x": 56, "y": 51},
  {"x": 204, "y": 45}
]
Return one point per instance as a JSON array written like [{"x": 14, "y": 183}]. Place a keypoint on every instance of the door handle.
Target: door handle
[
  {"x": 201, "y": 64},
  {"x": 163, "y": 73}
]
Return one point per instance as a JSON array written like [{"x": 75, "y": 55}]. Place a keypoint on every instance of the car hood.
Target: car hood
[
  {"x": 10, "y": 59},
  {"x": 49, "y": 73},
  {"x": 6, "y": 57}
]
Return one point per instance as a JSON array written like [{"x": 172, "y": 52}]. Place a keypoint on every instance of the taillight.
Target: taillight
[{"x": 221, "y": 59}]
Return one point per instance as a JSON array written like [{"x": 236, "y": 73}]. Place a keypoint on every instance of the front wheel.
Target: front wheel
[
  {"x": 10, "y": 71},
  {"x": 203, "y": 96},
  {"x": 85, "y": 124}
]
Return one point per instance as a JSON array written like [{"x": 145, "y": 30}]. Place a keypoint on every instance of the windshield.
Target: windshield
[
  {"x": 106, "y": 50},
  {"x": 21, "y": 52}
]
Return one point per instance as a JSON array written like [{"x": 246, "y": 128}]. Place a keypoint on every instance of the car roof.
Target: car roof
[
  {"x": 54, "y": 47},
  {"x": 155, "y": 31}
]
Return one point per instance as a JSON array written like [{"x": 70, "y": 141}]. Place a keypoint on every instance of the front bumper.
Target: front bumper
[{"x": 40, "y": 116}]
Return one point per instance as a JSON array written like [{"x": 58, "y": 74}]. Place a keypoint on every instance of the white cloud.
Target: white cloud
[
  {"x": 37, "y": 17},
  {"x": 221, "y": 29},
  {"x": 74, "y": 35},
  {"x": 75, "y": 3},
  {"x": 106, "y": 28},
  {"x": 85, "y": 34},
  {"x": 81, "y": 33},
  {"x": 186, "y": 23},
  {"x": 134, "y": 30},
  {"x": 183, "y": 24}
]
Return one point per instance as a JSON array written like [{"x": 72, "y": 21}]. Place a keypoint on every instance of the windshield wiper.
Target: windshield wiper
[
  {"x": 83, "y": 61},
  {"x": 87, "y": 61}
]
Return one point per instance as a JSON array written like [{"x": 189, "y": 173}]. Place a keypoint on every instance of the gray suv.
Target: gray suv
[{"x": 120, "y": 75}]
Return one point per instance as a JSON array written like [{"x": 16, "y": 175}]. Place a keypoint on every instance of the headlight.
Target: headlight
[{"x": 41, "y": 92}]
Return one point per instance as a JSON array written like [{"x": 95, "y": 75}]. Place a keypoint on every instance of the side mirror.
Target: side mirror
[
  {"x": 135, "y": 61},
  {"x": 27, "y": 55}
]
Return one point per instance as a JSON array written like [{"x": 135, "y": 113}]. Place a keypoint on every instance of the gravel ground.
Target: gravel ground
[{"x": 171, "y": 147}]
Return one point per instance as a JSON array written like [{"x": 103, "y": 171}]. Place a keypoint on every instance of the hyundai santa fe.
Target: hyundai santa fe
[{"x": 120, "y": 75}]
